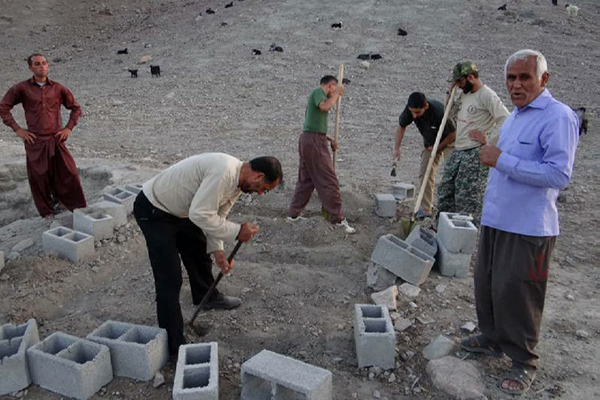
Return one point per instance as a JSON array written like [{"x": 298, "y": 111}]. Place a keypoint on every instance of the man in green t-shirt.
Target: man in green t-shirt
[{"x": 315, "y": 169}]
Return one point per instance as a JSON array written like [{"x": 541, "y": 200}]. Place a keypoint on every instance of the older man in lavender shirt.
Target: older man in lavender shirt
[{"x": 532, "y": 162}]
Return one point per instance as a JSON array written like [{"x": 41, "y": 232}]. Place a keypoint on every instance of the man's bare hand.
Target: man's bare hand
[
  {"x": 222, "y": 262},
  {"x": 489, "y": 155},
  {"x": 63, "y": 134},
  {"x": 247, "y": 232},
  {"x": 27, "y": 136},
  {"x": 340, "y": 90},
  {"x": 478, "y": 136},
  {"x": 334, "y": 145}
]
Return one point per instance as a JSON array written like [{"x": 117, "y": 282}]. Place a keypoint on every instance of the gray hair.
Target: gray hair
[{"x": 541, "y": 63}]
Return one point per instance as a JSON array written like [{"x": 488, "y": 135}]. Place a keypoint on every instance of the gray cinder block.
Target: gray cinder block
[
  {"x": 386, "y": 205},
  {"x": 424, "y": 240},
  {"x": 374, "y": 336},
  {"x": 69, "y": 365},
  {"x": 403, "y": 191},
  {"x": 115, "y": 210},
  {"x": 136, "y": 351},
  {"x": 458, "y": 234},
  {"x": 452, "y": 264},
  {"x": 121, "y": 196},
  {"x": 95, "y": 222},
  {"x": 14, "y": 342},
  {"x": 398, "y": 257},
  {"x": 269, "y": 375},
  {"x": 197, "y": 372},
  {"x": 67, "y": 243},
  {"x": 135, "y": 188}
]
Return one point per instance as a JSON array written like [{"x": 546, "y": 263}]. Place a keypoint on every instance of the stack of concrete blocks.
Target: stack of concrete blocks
[
  {"x": 424, "y": 240},
  {"x": 94, "y": 222},
  {"x": 386, "y": 205},
  {"x": 121, "y": 196},
  {"x": 402, "y": 259},
  {"x": 115, "y": 210},
  {"x": 374, "y": 336},
  {"x": 14, "y": 368},
  {"x": 271, "y": 376},
  {"x": 197, "y": 372},
  {"x": 457, "y": 237},
  {"x": 67, "y": 243},
  {"x": 136, "y": 351},
  {"x": 135, "y": 188},
  {"x": 403, "y": 191},
  {"x": 69, "y": 365}
]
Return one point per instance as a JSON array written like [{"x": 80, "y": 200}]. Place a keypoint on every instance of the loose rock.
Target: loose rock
[
  {"x": 379, "y": 278},
  {"x": 23, "y": 244},
  {"x": 409, "y": 290},
  {"x": 159, "y": 380},
  {"x": 439, "y": 347},
  {"x": 469, "y": 327},
  {"x": 386, "y": 297},
  {"x": 460, "y": 379},
  {"x": 402, "y": 324}
]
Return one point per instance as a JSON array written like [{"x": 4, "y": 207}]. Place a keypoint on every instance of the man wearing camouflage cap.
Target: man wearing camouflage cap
[{"x": 478, "y": 113}]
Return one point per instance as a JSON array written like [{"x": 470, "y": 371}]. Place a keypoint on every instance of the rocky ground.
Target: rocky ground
[{"x": 299, "y": 282}]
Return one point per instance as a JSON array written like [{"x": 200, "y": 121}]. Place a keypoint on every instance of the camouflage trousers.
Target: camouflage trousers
[{"x": 463, "y": 184}]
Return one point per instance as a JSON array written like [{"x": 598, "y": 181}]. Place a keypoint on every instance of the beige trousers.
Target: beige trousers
[{"x": 427, "y": 202}]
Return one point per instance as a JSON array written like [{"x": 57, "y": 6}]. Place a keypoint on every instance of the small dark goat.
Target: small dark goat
[
  {"x": 155, "y": 70},
  {"x": 124, "y": 51},
  {"x": 337, "y": 25},
  {"x": 133, "y": 72}
]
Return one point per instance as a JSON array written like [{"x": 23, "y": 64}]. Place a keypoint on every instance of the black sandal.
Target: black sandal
[
  {"x": 481, "y": 344},
  {"x": 522, "y": 376}
]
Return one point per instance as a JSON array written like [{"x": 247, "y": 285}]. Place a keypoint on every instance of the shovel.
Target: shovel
[
  {"x": 407, "y": 225},
  {"x": 201, "y": 331}
]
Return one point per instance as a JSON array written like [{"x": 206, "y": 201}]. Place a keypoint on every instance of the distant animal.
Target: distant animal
[
  {"x": 583, "y": 120},
  {"x": 124, "y": 51},
  {"x": 346, "y": 81},
  {"x": 502, "y": 7},
  {"x": 278, "y": 49},
  {"x": 133, "y": 72},
  {"x": 228, "y": 5},
  {"x": 376, "y": 56},
  {"x": 364, "y": 57},
  {"x": 223, "y": 23},
  {"x": 571, "y": 10},
  {"x": 210, "y": 11},
  {"x": 402, "y": 32},
  {"x": 256, "y": 52},
  {"x": 337, "y": 25},
  {"x": 155, "y": 70},
  {"x": 555, "y": 2}
]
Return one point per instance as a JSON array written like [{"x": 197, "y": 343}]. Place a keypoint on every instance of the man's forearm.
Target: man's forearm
[
  {"x": 447, "y": 141},
  {"x": 399, "y": 136}
]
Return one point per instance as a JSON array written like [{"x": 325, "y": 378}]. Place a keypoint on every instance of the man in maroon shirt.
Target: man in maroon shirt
[{"x": 51, "y": 169}]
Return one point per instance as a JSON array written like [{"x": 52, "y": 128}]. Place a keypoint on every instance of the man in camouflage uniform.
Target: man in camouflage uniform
[{"x": 479, "y": 113}]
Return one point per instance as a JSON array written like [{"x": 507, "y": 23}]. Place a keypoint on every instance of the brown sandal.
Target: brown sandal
[
  {"x": 522, "y": 376},
  {"x": 481, "y": 344}
]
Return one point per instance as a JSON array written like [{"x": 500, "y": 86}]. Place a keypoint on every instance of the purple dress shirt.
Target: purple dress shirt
[{"x": 538, "y": 144}]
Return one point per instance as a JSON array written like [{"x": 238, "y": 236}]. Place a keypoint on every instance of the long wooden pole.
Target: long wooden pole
[{"x": 337, "y": 113}]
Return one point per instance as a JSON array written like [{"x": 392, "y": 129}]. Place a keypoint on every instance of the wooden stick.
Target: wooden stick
[{"x": 337, "y": 112}]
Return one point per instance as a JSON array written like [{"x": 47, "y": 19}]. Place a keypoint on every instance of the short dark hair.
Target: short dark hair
[
  {"x": 30, "y": 58},
  {"x": 270, "y": 166},
  {"x": 327, "y": 79},
  {"x": 417, "y": 100}
]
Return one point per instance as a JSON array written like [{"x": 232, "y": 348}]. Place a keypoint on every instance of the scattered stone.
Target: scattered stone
[
  {"x": 121, "y": 238},
  {"x": 364, "y": 65},
  {"x": 23, "y": 244},
  {"x": 460, "y": 379},
  {"x": 469, "y": 327},
  {"x": 440, "y": 288},
  {"x": 386, "y": 297},
  {"x": 394, "y": 315},
  {"x": 412, "y": 304},
  {"x": 425, "y": 319},
  {"x": 159, "y": 380},
  {"x": 392, "y": 378},
  {"x": 379, "y": 278},
  {"x": 13, "y": 255},
  {"x": 408, "y": 355},
  {"x": 376, "y": 394},
  {"x": 402, "y": 324},
  {"x": 409, "y": 290},
  {"x": 581, "y": 334},
  {"x": 4, "y": 277},
  {"x": 570, "y": 297},
  {"x": 439, "y": 347},
  {"x": 145, "y": 59}
]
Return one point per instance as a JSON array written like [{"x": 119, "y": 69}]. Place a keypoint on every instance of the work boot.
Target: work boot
[{"x": 222, "y": 302}]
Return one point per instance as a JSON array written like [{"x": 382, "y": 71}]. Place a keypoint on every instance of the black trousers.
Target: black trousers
[
  {"x": 510, "y": 288},
  {"x": 168, "y": 238}
]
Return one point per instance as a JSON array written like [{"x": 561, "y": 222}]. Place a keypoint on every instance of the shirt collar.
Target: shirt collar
[
  {"x": 48, "y": 81},
  {"x": 540, "y": 102}
]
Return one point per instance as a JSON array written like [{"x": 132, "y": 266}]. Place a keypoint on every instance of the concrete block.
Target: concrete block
[
  {"x": 374, "y": 336},
  {"x": 121, "y": 196},
  {"x": 115, "y": 210},
  {"x": 407, "y": 262},
  {"x": 452, "y": 264},
  {"x": 197, "y": 372},
  {"x": 14, "y": 342},
  {"x": 386, "y": 205},
  {"x": 95, "y": 222},
  {"x": 136, "y": 351},
  {"x": 424, "y": 240},
  {"x": 68, "y": 244},
  {"x": 135, "y": 188},
  {"x": 271, "y": 376},
  {"x": 69, "y": 365},
  {"x": 458, "y": 234},
  {"x": 403, "y": 191}
]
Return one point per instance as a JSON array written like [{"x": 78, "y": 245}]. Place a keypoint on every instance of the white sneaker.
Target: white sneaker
[
  {"x": 295, "y": 219},
  {"x": 347, "y": 228}
]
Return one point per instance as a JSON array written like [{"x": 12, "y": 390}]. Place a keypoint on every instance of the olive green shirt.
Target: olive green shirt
[{"x": 315, "y": 119}]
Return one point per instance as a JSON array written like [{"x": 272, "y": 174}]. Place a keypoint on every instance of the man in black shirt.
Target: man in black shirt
[{"x": 427, "y": 115}]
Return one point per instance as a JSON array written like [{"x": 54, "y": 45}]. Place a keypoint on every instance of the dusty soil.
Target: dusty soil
[{"x": 299, "y": 282}]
